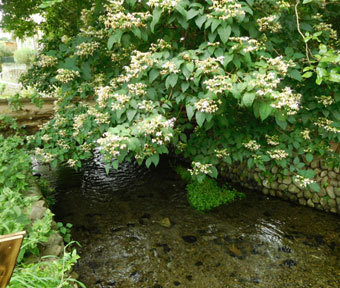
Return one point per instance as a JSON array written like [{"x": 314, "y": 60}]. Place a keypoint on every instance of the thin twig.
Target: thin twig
[{"x": 299, "y": 30}]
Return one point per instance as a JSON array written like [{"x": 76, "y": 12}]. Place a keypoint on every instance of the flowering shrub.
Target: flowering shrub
[{"x": 219, "y": 80}]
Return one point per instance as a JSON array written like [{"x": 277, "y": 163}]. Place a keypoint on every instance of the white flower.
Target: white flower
[
  {"x": 199, "y": 168},
  {"x": 252, "y": 145}
]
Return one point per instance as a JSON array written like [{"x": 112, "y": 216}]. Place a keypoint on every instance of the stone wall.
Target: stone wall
[
  {"x": 276, "y": 184},
  {"x": 55, "y": 244}
]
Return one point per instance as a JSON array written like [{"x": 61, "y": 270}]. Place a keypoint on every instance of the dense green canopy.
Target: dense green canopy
[{"x": 216, "y": 81}]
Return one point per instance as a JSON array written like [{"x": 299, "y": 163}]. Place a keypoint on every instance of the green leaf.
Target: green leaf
[
  {"x": 295, "y": 74},
  {"x": 131, "y": 114},
  {"x": 154, "y": 73},
  {"x": 265, "y": 110},
  {"x": 114, "y": 38},
  {"x": 334, "y": 76},
  {"x": 192, "y": 13},
  {"x": 248, "y": 98},
  {"x": 309, "y": 157},
  {"x": 156, "y": 15},
  {"x": 185, "y": 86},
  {"x": 182, "y": 11},
  {"x": 215, "y": 24},
  {"x": 86, "y": 70},
  {"x": 224, "y": 33},
  {"x": 155, "y": 159},
  {"x": 200, "y": 118},
  {"x": 148, "y": 162},
  {"x": 307, "y": 74},
  {"x": 172, "y": 80},
  {"x": 306, "y": 1},
  {"x": 315, "y": 187},
  {"x": 200, "y": 21},
  {"x": 190, "y": 111}
]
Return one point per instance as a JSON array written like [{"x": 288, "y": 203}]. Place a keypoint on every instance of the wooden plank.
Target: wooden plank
[{"x": 9, "y": 249}]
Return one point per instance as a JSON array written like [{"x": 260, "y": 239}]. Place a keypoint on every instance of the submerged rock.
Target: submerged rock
[
  {"x": 189, "y": 239},
  {"x": 165, "y": 222}
]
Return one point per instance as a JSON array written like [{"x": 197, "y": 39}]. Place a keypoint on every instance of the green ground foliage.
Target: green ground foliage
[{"x": 16, "y": 181}]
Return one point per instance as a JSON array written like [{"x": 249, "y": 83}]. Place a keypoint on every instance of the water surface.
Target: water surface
[{"x": 255, "y": 242}]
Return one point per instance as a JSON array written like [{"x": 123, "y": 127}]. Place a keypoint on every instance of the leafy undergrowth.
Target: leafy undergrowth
[
  {"x": 15, "y": 204},
  {"x": 206, "y": 195}
]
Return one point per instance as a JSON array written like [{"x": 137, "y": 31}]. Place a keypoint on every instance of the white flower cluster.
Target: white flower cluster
[
  {"x": 265, "y": 82},
  {"x": 207, "y": 105},
  {"x": 283, "y": 4},
  {"x": 154, "y": 124},
  {"x": 326, "y": 124},
  {"x": 169, "y": 68},
  {"x": 66, "y": 76},
  {"x": 99, "y": 117},
  {"x": 158, "y": 128},
  {"x": 246, "y": 44},
  {"x": 87, "y": 49},
  {"x": 213, "y": 44},
  {"x": 252, "y": 145},
  {"x": 117, "y": 18},
  {"x": 277, "y": 154},
  {"x": 199, "y": 168},
  {"x": 146, "y": 105},
  {"x": 43, "y": 156},
  {"x": 103, "y": 94},
  {"x": 126, "y": 21},
  {"x": 137, "y": 89},
  {"x": 303, "y": 181},
  {"x": 46, "y": 138},
  {"x": 210, "y": 64},
  {"x": 306, "y": 134},
  {"x": 287, "y": 99},
  {"x": 279, "y": 64},
  {"x": 272, "y": 140},
  {"x": 225, "y": 9},
  {"x": 140, "y": 61},
  {"x": 78, "y": 123},
  {"x": 325, "y": 27},
  {"x": 325, "y": 100},
  {"x": 269, "y": 23},
  {"x": 161, "y": 45},
  {"x": 71, "y": 163},
  {"x": 86, "y": 147},
  {"x": 218, "y": 84},
  {"x": 47, "y": 61},
  {"x": 222, "y": 153},
  {"x": 164, "y": 4},
  {"x": 61, "y": 143},
  {"x": 120, "y": 101},
  {"x": 112, "y": 144}
]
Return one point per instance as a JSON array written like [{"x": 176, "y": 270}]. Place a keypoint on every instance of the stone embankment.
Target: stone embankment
[
  {"x": 55, "y": 244},
  {"x": 28, "y": 114},
  {"x": 283, "y": 186}
]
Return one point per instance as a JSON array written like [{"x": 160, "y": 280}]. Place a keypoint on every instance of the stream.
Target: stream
[{"x": 137, "y": 229}]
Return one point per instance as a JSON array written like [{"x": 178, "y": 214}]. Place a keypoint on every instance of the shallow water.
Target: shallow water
[{"x": 255, "y": 242}]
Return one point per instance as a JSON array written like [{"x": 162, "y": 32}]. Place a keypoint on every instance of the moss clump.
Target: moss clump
[{"x": 208, "y": 194}]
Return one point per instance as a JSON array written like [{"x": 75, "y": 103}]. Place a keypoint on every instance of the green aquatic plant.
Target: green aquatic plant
[{"x": 206, "y": 195}]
